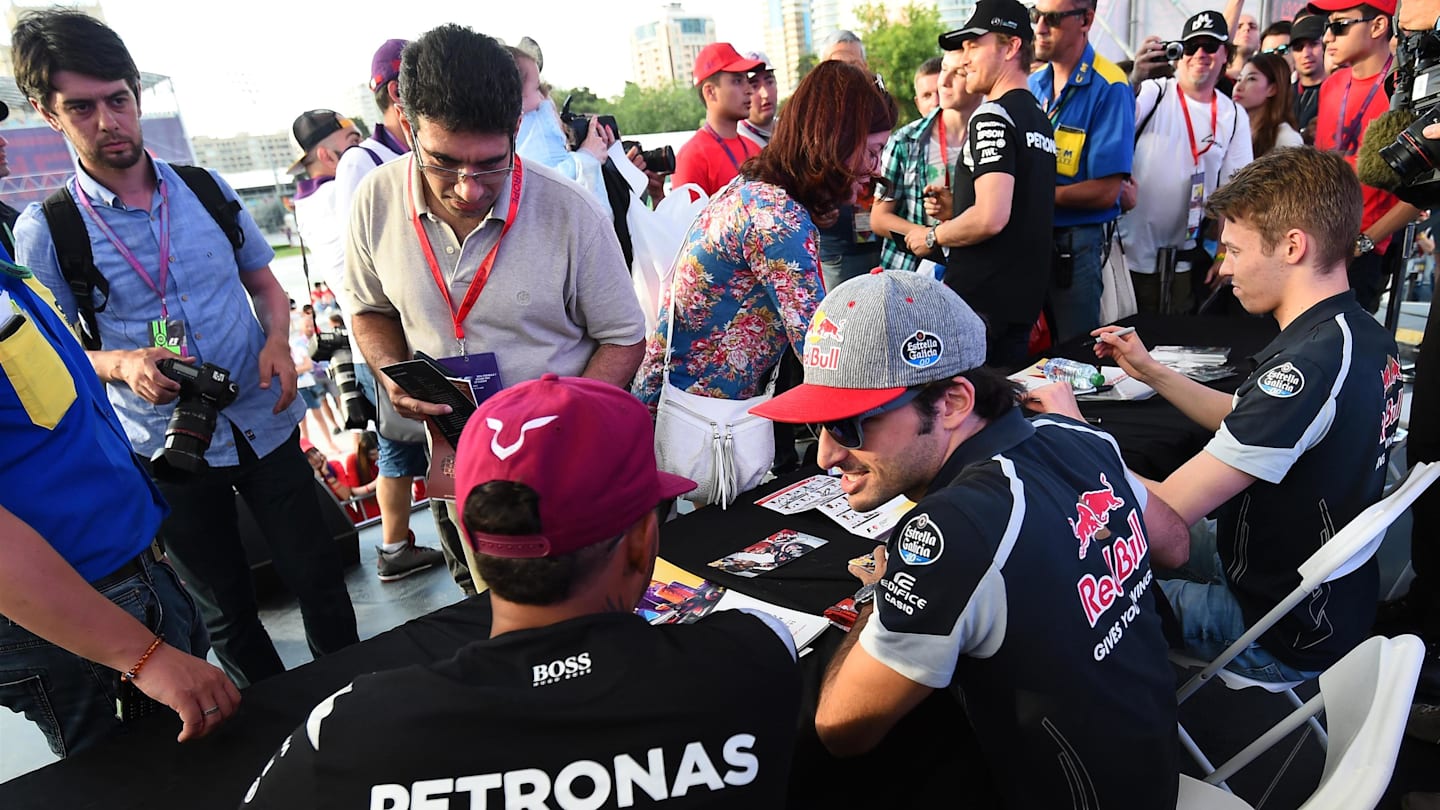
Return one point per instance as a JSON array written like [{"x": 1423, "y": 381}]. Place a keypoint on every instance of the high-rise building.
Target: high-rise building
[
  {"x": 246, "y": 153},
  {"x": 954, "y": 13},
  {"x": 787, "y": 38},
  {"x": 664, "y": 51}
]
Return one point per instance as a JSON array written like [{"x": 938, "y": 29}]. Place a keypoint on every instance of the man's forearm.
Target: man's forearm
[
  {"x": 381, "y": 339},
  {"x": 1391, "y": 221},
  {"x": 971, "y": 227},
  {"x": 847, "y": 644},
  {"x": 109, "y": 365},
  {"x": 615, "y": 364},
  {"x": 1090, "y": 195},
  {"x": 1203, "y": 405},
  {"x": 41, "y": 592},
  {"x": 884, "y": 221}
]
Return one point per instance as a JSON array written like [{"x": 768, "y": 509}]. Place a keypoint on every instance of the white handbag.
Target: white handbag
[{"x": 717, "y": 443}]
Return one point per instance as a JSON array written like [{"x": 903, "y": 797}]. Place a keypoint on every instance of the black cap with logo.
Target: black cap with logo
[
  {"x": 1206, "y": 24},
  {"x": 991, "y": 17}
]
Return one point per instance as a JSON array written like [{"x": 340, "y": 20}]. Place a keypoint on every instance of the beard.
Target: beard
[{"x": 119, "y": 160}]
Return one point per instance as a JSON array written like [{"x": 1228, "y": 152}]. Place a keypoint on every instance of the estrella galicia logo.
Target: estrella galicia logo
[
  {"x": 920, "y": 542},
  {"x": 922, "y": 349},
  {"x": 1282, "y": 382}
]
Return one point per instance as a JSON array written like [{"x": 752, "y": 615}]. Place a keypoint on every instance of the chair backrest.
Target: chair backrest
[
  {"x": 1367, "y": 701},
  {"x": 1355, "y": 544}
]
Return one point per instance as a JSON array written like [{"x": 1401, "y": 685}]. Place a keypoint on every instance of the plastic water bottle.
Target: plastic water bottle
[{"x": 1081, "y": 376}]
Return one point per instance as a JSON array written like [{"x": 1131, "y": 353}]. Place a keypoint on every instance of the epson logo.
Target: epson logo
[{"x": 563, "y": 669}]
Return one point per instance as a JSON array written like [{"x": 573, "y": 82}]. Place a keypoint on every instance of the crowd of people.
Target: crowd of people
[{"x": 877, "y": 282}]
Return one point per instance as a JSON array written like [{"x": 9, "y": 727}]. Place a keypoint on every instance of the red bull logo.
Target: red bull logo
[
  {"x": 1391, "y": 374},
  {"x": 823, "y": 327},
  {"x": 1093, "y": 513}
]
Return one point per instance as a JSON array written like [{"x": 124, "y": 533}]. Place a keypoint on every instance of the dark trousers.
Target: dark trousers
[
  {"x": 1424, "y": 445},
  {"x": 202, "y": 538},
  {"x": 1008, "y": 346}
]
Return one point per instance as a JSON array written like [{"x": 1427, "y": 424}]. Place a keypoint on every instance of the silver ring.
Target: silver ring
[{"x": 212, "y": 710}]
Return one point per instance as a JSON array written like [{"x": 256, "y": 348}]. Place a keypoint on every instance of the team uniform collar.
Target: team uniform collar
[
  {"x": 1323, "y": 311},
  {"x": 1001, "y": 434}
]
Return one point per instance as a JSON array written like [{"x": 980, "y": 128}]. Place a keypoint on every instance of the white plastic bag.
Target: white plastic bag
[{"x": 657, "y": 237}]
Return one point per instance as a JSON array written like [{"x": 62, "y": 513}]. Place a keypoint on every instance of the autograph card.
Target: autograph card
[{"x": 768, "y": 554}]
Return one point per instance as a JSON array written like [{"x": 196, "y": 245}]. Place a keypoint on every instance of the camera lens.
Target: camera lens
[
  {"x": 660, "y": 160},
  {"x": 1174, "y": 50},
  {"x": 353, "y": 403},
  {"x": 188, "y": 435}
]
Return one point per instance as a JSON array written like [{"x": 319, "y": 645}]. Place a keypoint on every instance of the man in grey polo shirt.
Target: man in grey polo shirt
[{"x": 465, "y": 250}]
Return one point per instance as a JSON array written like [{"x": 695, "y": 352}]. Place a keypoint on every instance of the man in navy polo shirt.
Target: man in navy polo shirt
[
  {"x": 1302, "y": 446},
  {"x": 137, "y": 212},
  {"x": 1021, "y": 579},
  {"x": 81, "y": 597},
  {"x": 1089, "y": 103}
]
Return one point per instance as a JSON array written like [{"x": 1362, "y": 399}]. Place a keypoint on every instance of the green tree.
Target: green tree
[
  {"x": 641, "y": 109},
  {"x": 896, "y": 47}
]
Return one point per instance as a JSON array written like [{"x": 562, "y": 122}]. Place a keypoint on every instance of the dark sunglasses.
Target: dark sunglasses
[
  {"x": 850, "y": 433},
  {"x": 1206, "y": 44},
  {"x": 1337, "y": 28},
  {"x": 1278, "y": 50},
  {"x": 1054, "y": 18}
]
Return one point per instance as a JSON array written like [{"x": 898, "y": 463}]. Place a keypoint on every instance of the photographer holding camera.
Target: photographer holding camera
[{"x": 170, "y": 273}]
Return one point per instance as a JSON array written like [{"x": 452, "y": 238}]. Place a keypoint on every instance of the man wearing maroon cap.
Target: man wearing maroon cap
[
  {"x": 572, "y": 695},
  {"x": 712, "y": 157},
  {"x": 1358, "y": 36}
]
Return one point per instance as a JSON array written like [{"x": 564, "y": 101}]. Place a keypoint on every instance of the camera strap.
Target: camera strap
[
  {"x": 83, "y": 200},
  {"x": 482, "y": 274}
]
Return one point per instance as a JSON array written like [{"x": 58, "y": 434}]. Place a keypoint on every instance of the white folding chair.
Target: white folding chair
[
  {"x": 1349, "y": 549},
  {"x": 1366, "y": 699}
]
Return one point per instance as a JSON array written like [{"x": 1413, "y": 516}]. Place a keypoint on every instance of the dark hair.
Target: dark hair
[
  {"x": 368, "y": 441},
  {"x": 817, "y": 136},
  {"x": 460, "y": 80},
  {"x": 1278, "y": 109},
  {"x": 995, "y": 394},
  {"x": 509, "y": 507},
  {"x": 1025, "y": 57},
  {"x": 382, "y": 97},
  {"x": 47, "y": 42},
  {"x": 1277, "y": 28},
  {"x": 929, "y": 67},
  {"x": 1302, "y": 188}
]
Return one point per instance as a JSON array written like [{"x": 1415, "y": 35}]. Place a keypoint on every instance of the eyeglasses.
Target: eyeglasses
[
  {"x": 1054, "y": 18},
  {"x": 455, "y": 176},
  {"x": 1278, "y": 50},
  {"x": 1206, "y": 44},
  {"x": 1337, "y": 28},
  {"x": 850, "y": 433}
]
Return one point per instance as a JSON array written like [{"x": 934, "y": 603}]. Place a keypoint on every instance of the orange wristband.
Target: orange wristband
[{"x": 134, "y": 672}]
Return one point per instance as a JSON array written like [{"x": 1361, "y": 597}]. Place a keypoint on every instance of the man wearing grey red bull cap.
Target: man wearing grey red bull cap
[
  {"x": 1021, "y": 579},
  {"x": 559, "y": 489}
]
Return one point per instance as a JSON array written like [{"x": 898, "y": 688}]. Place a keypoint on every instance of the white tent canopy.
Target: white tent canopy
[{"x": 1122, "y": 24}]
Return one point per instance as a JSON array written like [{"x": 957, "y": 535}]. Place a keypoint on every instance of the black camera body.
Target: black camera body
[
  {"x": 1412, "y": 156},
  {"x": 204, "y": 391},
  {"x": 577, "y": 125},
  {"x": 327, "y": 343},
  {"x": 1174, "y": 50},
  {"x": 660, "y": 160}
]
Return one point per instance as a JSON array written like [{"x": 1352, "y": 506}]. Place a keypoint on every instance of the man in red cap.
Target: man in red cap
[
  {"x": 712, "y": 157},
  {"x": 1358, "y": 36},
  {"x": 559, "y": 489}
]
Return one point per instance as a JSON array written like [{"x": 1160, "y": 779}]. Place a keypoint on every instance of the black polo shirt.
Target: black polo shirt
[
  {"x": 1004, "y": 277},
  {"x": 1307, "y": 104},
  {"x": 1023, "y": 581},
  {"x": 1314, "y": 423},
  {"x": 601, "y": 711}
]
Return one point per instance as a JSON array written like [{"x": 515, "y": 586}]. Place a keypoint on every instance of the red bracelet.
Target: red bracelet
[{"x": 134, "y": 671}]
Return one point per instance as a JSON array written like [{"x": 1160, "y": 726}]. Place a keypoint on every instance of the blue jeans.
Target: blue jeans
[
  {"x": 1075, "y": 307},
  {"x": 397, "y": 459},
  {"x": 855, "y": 261},
  {"x": 71, "y": 699},
  {"x": 202, "y": 537},
  {"x": 1210, "y": 617}
]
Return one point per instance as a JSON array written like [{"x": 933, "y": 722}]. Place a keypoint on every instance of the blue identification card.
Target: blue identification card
[{"x": 481, "y": 371}]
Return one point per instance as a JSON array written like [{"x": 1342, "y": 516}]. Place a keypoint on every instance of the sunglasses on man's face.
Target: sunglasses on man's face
[
  {"x": 850, "y": 433},
  {"x": 1193, "y": 46},
  {"x": 1278, "y": 50},
  {"x": 1054, "y": 18},
  {"x": 1337, "y": 28}
]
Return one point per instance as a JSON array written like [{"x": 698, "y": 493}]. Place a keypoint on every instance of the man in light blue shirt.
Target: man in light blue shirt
[{"x": 172, "y": 271}]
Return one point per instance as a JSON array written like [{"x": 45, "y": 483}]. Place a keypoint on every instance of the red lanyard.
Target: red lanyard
[
  {"x": 944, "y": 149},
  {"x": 482, "y": 275},
  {"x": 1195, "y": 150},
  {"x": 744, "y": 147},
  {"x": 125, "y": 252}
]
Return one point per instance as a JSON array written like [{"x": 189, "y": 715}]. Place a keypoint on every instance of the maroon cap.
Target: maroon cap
[
  {"x": 722, "y": 56},
  {"x": 385, "y": 64},
  {"x": 586, "y": 447}
]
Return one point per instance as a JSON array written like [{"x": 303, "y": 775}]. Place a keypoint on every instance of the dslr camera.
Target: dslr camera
[
  {"x": 660, "y": 160},
  {"x": 204, "y": 390},
  {"x": 1413, "y": 157}
]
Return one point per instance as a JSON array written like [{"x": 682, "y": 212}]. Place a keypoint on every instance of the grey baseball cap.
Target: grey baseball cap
[{"x": 873, "y": 337}]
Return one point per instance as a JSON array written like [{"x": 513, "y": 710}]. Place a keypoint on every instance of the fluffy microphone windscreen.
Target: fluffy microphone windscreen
[{"x": 1369, "y": 166}]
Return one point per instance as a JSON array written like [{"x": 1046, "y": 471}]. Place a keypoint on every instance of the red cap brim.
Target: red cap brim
[
  {"x": 1386, "y": 6},
  {"x": 822, "y": 403}
]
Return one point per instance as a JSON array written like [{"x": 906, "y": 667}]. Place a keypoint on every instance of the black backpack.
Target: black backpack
[{"x": 77, "y": 262}]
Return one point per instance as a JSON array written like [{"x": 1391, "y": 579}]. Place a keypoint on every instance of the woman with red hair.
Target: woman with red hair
[{"x": 747, "y": 281}]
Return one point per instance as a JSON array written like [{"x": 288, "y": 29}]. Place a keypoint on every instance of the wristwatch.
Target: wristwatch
[
  {"x": 865, "y": 594},
  {"x": 1364, "y": 244},
  {"x": 930, "y": 237}
]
